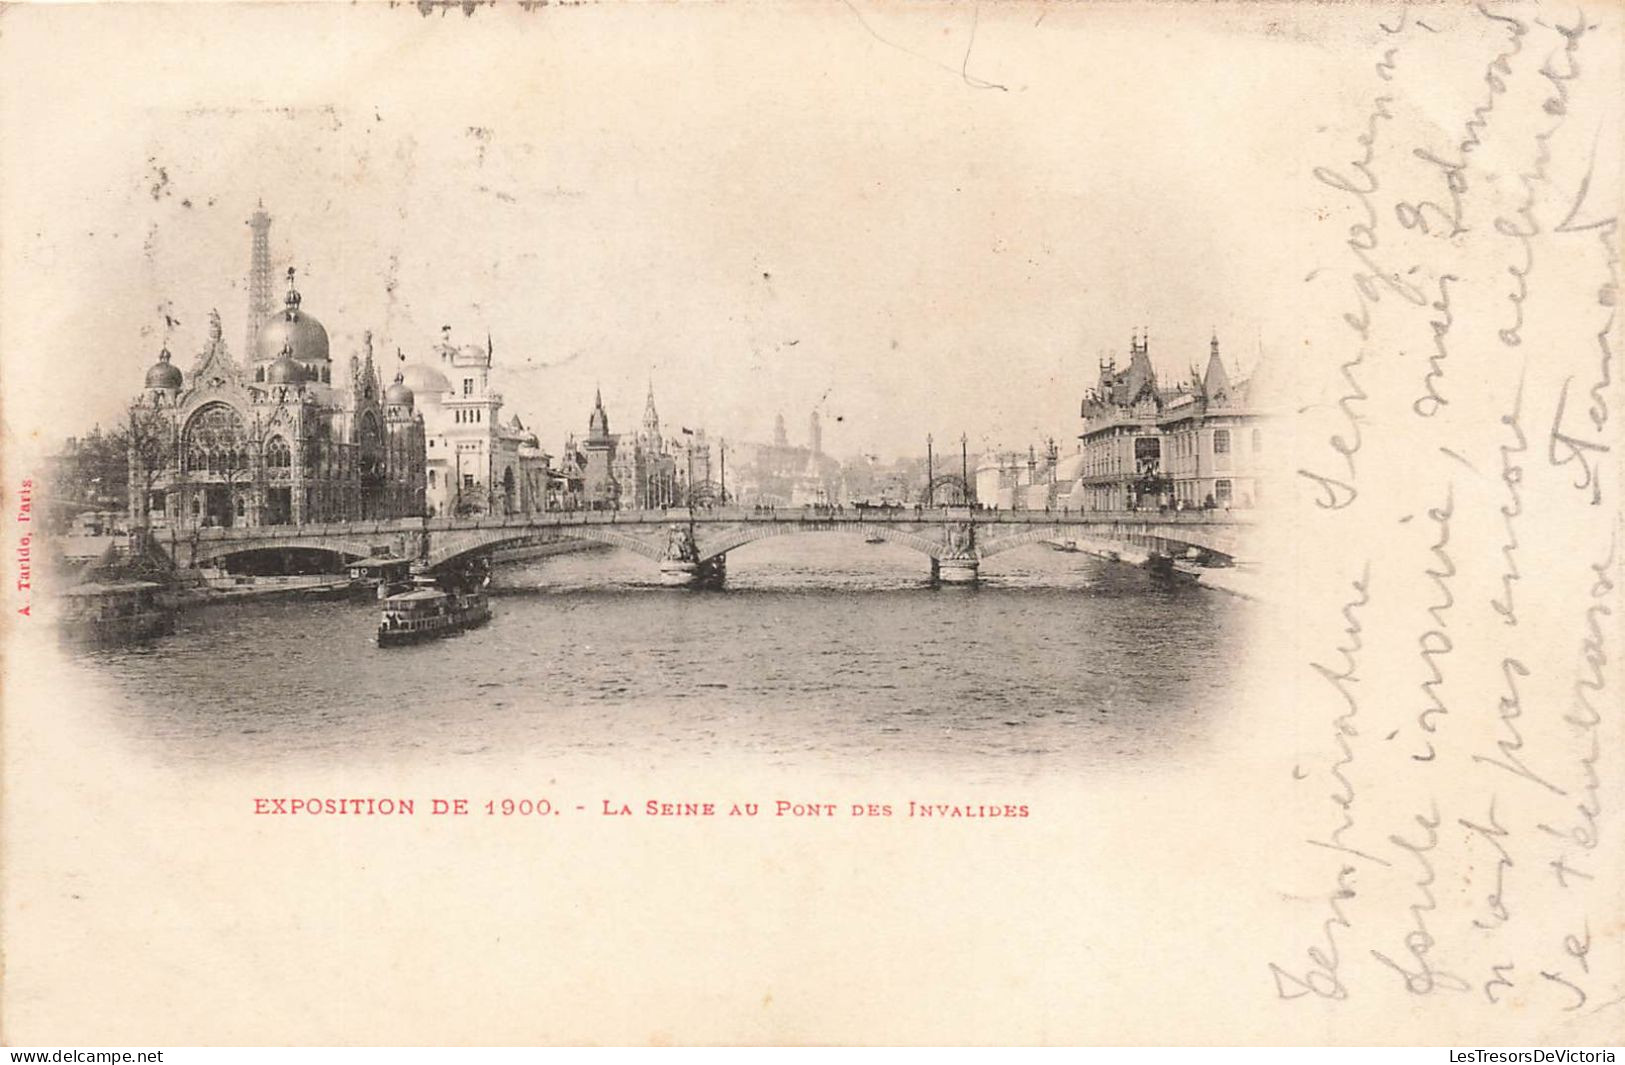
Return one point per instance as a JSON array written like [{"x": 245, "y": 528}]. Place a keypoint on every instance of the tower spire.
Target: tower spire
[
  {"x": 259, "y": 276},
  {"x": 651, "y": 417},
  {"x": 1216, "y": 381}
]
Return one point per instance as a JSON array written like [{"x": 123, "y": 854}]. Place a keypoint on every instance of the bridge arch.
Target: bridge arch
[
  {"x": 988, "y": 546},
  {"x": 219, "y": 550},
  {"x": 1106, "y": 536},
  {"x": 751, "y": 532},
  {"x": 447, "y": 548}
]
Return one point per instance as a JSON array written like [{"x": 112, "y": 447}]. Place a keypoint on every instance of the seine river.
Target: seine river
[{"x": 820, "y": 647}]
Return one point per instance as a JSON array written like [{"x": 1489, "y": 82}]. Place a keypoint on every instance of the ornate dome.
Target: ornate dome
[
  {"x": 164, "y": 374},
  {"x": 292, "y": 329},
  {"x": 284, "y": 371},
  {"x": 398, "y": 393},
  {"x": 425, "y": 381}
]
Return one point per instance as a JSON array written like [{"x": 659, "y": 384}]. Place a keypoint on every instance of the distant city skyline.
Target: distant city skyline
[
  {"x": 955, "y": 261},
  {"x": 517, "y": 374}
]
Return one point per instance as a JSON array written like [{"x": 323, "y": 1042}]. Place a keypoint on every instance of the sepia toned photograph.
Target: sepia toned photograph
[{"x": 824, "y": 523}]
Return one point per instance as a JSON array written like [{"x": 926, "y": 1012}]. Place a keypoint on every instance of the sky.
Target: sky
[{"x": 923, "y": 219}]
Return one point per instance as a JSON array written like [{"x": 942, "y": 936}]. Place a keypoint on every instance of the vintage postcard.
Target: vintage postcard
[{"x": 829, "y": 522}]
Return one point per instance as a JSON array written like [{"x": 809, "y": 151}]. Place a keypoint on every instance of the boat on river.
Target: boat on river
[
  {"x": 426, "y": 611},
  {"x": 380, "y": 576}
]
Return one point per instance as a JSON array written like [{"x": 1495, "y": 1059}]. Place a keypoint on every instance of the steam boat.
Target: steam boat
[{"x": 426, "y": 611}]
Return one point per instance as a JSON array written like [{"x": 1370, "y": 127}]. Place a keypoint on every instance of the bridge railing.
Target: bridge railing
[
  {"x": 310, "y": 529},
  {"x": 711, "y": 515}
]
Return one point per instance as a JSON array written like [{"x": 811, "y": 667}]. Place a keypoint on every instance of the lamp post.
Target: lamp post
[
  {"x": 964, "y": 467},
  {"x": 930, "y": 477},
  {"x": 688, "y": 452},
  {"x": 722, "y": 456}
]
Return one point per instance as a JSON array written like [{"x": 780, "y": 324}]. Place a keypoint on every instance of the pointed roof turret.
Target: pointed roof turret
[
  {"x": 1140, "y": 372},
  {"x": 598, "y": 420},
  {"x": 1216, "y": 381}
]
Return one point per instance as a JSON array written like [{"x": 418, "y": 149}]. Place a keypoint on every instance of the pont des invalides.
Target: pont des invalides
[{"x": 785, "y": 808}]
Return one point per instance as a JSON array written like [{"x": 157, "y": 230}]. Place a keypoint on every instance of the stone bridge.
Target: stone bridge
[{"x": 693, "y": 547}]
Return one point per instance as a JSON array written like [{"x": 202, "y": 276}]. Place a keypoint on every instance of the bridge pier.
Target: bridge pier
[
  {"x": 959, "y": 562},
  {"x": 681, "y": 566},
  {"x": 680, "y": 573}
]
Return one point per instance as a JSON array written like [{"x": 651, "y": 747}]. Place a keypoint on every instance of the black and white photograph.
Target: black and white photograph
[{"x": 819, "y": 523}]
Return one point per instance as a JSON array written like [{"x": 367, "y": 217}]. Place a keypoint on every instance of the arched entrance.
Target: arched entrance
[
  {"x": 215, "y": 456},
  {"x": 946, "y": 490}
]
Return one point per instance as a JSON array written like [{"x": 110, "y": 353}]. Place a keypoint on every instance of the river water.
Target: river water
[{"x": 820, "y": 648}]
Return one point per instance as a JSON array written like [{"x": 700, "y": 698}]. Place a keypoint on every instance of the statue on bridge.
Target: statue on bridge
[
  {"x": 680, "y": 546},
  {"x": 412, "y": 545},
  {"x": 959, "y": 540}
]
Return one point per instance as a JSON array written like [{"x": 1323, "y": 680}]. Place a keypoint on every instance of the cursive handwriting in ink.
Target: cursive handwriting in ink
[
  {"x": 1498, "y": 980},
  {"x": 1607, "y": 293},
  {"x": 1557, "y": 978},
  {"x": 1512, "y": 480},
  {"x": 1321, "y": 978},
  {"x": 1415, "y": 215},
  {"x": 1528, "y": 226},
  {"x": 1584, "y": 717},
  {"x": 1343, "y": 726},
  {"x": 1362, "y": 241},
  {"x": 1511, "y": 709},
  {"x": 1577, "y": 450},
  {"x": 1428, "y": 405},
  {"x": 1494, "y": 832},
  {"x": 1435, "y": 643},
  {"x": 1494, "y": 77},
  {"x": 1419, "y": 941}
]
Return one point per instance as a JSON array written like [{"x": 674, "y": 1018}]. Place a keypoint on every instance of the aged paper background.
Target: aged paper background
[{"x": 1405, "y": 826}]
